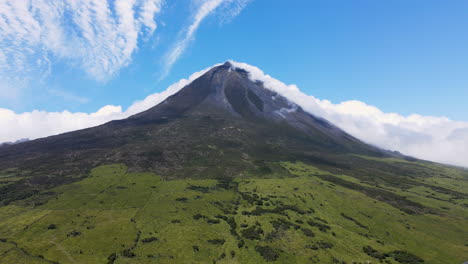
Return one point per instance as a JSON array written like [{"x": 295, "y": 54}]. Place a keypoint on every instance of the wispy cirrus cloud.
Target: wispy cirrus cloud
[
  {"x": 226, "y": 8},
  {"x": 98, "y": 36}
]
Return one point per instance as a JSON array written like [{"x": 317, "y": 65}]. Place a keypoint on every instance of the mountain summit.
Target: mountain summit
[
  {"x": 225, "y": 171},
  {"x": 223, "y": 108}
]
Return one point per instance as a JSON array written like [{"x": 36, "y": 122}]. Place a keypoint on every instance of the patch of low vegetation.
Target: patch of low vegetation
[
  {"x": 268, "y": 253},
  {"x": 320, "y": 245},
  {"x": 322, "y": 227},
  {"x": 202, "y": 189},
  {"x": 405, "y": 257},
  {"x": 216, "y": 241},
  {"x": 374, "y": 253},
  {"x": 252, "y": 233},
  {"x": 353, "y": 220},
  {"x": 307, "y": 232},
  {"x": 149, "y": 239}
]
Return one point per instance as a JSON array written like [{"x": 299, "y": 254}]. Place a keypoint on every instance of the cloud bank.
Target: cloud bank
[{"x": 433, "y": 138}]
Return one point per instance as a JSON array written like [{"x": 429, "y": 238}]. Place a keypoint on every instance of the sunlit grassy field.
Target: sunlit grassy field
[{"x": 296, "y": 214}]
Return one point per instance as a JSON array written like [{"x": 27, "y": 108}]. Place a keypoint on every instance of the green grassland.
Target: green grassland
[{"x": 284, "y": 213}]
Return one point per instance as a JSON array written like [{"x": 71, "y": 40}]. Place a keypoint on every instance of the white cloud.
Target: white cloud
[
  {"x": 99, "y": 36},
  {"x": 228, "y": 8},
  {"x": 433, "y": 138}
]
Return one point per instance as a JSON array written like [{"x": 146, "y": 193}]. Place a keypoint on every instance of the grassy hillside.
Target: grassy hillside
[{"x": 281, "y": 213}]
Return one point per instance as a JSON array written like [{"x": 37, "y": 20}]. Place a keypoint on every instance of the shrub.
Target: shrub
[
  {"x": 149, "y": 239},
  {"x": 74, "y": 233},
  {"x": 213, "y": 221},
  {"x": 252, "y": 233},
  {"x": 198, "y": 216},
  {"x": 307, "y": 232},
  {"x": 241, "y": 243},
  {"x": 128, "y": 253},
  {"x": 202, "y": 189},
  {"x": 320, "y": 245},
  {"x": 111, "y": 259},
  {"x": 353, "y": 220},
  {"x": 52, "y": 226},
  {"x": 324, "y": 245},
  {"x": 225, "y": 218},
  {"x": 405, "y": 257},
  {"x": 321, "y": 227},
  {"x": 268, "y": 253},
  {"x": 217, "y": 241},
  {"x": 373, "y": 253}
]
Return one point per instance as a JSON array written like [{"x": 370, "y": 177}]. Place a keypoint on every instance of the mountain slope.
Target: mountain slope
[{"x": 225, "y": 171}]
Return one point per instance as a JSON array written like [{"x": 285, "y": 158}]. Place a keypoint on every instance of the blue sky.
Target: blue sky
[
  {"x": 395, "y": 72},
  {"x": 401, "y": 56}
]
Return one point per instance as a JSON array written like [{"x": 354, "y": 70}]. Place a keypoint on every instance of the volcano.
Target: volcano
[
  {"x": 223, "y": 107},
  {"x": 225, "y": 171}
]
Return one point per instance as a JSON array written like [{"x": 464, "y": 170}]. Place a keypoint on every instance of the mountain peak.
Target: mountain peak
[
  {"x": 228, "y": 91},
  {"x": 230, "y": 101},
  {"x": 227, "y": 64}
]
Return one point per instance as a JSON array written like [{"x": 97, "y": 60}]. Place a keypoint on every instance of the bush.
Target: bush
[
  {"x": 198, "y": 216},
  {"x": 240, "y": 244},
  {"x": 373, "y": 253},
  {"x": 405, "y": 257},
  {"x": 217, "y": 241},
  {"x": 320, "y": 245},
  {"x": 321, "y": 227},
  {"x": 111, "y": 259},
  {"x": 128, "y": 253},
  {"x": 268, "y": 253},
  {"x": 74, "y": 233},
  {"x": 213, "y": 221},
  {"x": 252, "y": 233},
  {"x": 149, "y": 239},
  {"x": 307, "y": 232},
  {"x": 225, "y": 218},
  {"x": 353, "y": 220},
  {"x": 52, "y": 226},
  {"x": 202, "y": 189}
]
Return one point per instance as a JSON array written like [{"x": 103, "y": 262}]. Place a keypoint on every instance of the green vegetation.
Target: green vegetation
[{"x": 307, "y": 215}]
